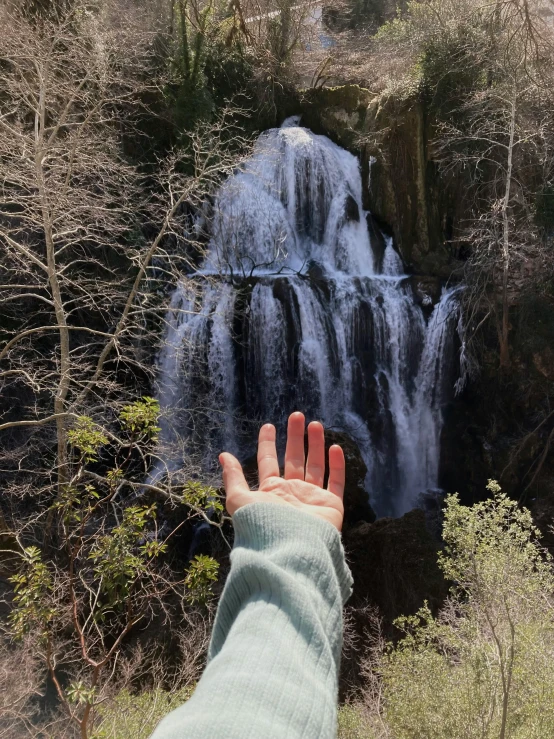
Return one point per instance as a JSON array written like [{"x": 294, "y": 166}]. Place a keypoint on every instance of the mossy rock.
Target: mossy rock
[
  {"x": 337, "y": 112},
  {"x": 393, "y": 136},
  {"x": 351, "y": 98}
]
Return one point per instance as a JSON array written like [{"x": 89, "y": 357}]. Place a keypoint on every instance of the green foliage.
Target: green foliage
[
  {"x": 76, "y": 503},
  {"x": 135, "y": 716},
  {"x": 373, "y": 11},
  {"x": 141, "y": 418},
  {"x": 121, "y": 557},
  {"x": 105, "y": 579},
  {"x": 353, "y": 723},
  {"x": 448, "y": 46},
  {"x": 201, "y": 575},
  {"x": 450, "y": 69},
  {"x": 87, "y": 437},
  {"x": 196, "y": 495},
  {"x": 191, "y": 105},
  {"x": 80, "y": 694},
  {"x": 492, "y": 552},
  {"x": 210, "y": 65},
  {"x": 33, "y": 607},
  {"x": 482, "y": 668},
  {"x": 228, "y": 73}
]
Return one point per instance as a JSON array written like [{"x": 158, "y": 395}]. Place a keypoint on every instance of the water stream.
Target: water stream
[{"x": 302, "y": 303}]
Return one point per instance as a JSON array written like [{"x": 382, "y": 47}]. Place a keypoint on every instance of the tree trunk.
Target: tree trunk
[
  {"x": 185, "y": 46},
  {"x": 59, "y": 308},
  {"x": 504, "y": 334}
]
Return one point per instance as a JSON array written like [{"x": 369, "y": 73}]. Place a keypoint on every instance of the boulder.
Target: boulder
[
  {"x": 394, "y": 565},
  {"x": 427, "y": 289}
]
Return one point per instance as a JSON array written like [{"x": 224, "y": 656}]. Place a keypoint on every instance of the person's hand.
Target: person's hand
[{"x": 302, "y": 486}]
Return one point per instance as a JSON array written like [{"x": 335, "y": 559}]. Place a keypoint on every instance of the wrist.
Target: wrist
[{"x": 294, "y": 537}]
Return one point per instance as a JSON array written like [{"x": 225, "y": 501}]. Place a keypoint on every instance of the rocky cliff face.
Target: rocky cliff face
[{"x": 402, "y": 187}]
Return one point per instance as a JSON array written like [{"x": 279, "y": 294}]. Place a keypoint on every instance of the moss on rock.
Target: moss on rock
[{"x": 338, "y": 112}]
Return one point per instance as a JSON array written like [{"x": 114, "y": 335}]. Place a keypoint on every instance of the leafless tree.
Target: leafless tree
[
  {"x": 501, "y": 135},
  {"x": 89, "y": 244},
  {"x": 78, "y": 225}
]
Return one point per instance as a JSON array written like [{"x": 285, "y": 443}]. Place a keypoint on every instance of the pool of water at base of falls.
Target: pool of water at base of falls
[{"x": 301, "y": 304}]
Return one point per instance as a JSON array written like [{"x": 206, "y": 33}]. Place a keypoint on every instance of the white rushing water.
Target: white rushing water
[{"x": 302, "y": 303}]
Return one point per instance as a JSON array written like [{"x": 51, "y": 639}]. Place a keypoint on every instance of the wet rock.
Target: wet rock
[
  {"x": 427, "y": 289},
  {"x": 351, "y": 210},
  {"x": 378, "y": 242},
  {"x": 403, "y": 182},
  {"x": 315, "y": 271}
]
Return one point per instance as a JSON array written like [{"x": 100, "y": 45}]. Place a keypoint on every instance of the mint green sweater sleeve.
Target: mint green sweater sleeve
[{"x": 274, "y": 655}]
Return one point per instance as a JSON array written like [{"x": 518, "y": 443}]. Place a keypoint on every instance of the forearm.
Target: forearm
[{"x": 275, "y": 650}]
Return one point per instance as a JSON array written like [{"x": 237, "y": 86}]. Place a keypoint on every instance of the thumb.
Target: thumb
[{"x": 234, "y": 481}]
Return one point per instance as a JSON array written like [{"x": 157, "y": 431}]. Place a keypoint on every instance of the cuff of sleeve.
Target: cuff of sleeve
[{"x": 263, "y": 526}]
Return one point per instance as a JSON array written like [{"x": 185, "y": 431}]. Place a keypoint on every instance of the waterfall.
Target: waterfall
[{"x": 301, "y": 303}]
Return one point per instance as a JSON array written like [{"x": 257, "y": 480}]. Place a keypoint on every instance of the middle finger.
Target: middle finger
[{"x": 294, "y": 454}]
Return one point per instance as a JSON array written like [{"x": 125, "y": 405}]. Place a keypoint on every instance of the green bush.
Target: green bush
[
  {"x": 446, "y": 50},
  {"x": 483, "y": 667},
  {"x": 131, "y": 716},
  {"x": 353, "y": 723}
]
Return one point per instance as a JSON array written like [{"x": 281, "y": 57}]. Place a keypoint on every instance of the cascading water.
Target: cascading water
[{"x": 297, "y": 306}]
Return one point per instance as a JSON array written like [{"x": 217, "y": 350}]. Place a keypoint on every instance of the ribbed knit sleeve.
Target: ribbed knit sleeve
[{"x": 274, "y": 655}]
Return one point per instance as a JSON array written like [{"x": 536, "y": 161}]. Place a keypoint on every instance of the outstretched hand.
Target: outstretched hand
[{"x": 302, "y": 486}]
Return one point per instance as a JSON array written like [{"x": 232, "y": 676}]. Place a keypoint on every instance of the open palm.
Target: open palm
[{"x": 302, "y": 485}]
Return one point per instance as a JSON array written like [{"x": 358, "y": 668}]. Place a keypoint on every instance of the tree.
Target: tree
[
  {"x": 79, "y": 226},
  {"x": 482, "y": 667},
  {"x": 500, "y": 135},
  {"x": 483, "y": 73},
  {"x": 78, "y": 608}
]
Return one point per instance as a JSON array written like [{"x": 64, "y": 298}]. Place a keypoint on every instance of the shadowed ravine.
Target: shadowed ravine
[{"x": 297, "y": 306}]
